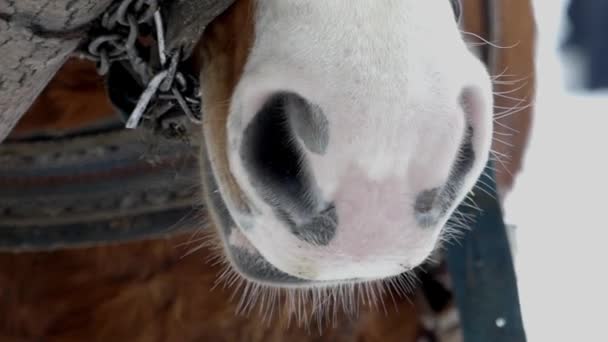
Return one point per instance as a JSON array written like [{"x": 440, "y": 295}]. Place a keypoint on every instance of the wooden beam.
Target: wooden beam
[{"x": 36, "y": 38}]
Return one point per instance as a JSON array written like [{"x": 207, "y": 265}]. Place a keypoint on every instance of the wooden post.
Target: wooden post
[{"x": 36, "y": 38}]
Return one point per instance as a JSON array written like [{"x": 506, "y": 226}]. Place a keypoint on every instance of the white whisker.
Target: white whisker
[{"x": 487, "y": 42}]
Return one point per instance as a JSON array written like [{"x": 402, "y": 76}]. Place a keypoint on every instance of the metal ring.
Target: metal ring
[
  {"x": 85, "y": 55},
  {"x": 97, "y": 46},
  {"x": 121, "y": 13},
  {"x": 182, "y": 83},
  {"x": 94, "y": 46},
  {"x": 171, "y": 73},
  {"x": 108, "y": 20},
  {"x": 160, "y": 38},
  {"x": 133, "y": 32},
  {"x": 103, "y": 65}
]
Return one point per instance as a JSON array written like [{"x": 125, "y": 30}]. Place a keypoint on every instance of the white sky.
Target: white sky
[{"x": 558, "y": 204}]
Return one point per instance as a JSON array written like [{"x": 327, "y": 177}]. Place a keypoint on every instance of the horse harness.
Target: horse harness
[{"x": 99, "y": 189}]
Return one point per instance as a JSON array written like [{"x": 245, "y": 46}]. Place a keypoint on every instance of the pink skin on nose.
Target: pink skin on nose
[{"x": 376, "y": 222}]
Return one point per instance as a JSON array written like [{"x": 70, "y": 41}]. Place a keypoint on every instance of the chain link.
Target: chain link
[{"x": 132, "y": 32}]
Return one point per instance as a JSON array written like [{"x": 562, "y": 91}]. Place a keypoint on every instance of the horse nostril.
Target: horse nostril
[
  {"x": 308, "y": 121},
  {"x": 275, "y": 162}
]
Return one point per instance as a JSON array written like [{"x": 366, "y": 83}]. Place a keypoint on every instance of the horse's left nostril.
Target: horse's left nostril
[
  {"x": 277, "y": 168},
  {"x": 271, "y": 158}
]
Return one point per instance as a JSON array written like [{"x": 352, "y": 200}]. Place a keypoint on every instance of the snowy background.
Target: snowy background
[{"x": 559, "y": 202}]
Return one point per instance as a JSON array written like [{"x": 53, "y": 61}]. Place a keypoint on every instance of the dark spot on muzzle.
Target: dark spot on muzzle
[
  {"x": 460, "y": 169},
  {"x": 427, "y": 209},
  {"x": 432, "y": 205},
  {"x": 277, "y": 167},
  {"x": 319, "y": 230},
  {"x": 425, "y": 202},
  {"x": 464, "y": 162}
]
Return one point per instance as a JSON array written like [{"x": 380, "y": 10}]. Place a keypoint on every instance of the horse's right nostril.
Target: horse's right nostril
[{"x": 274, "y": 159}]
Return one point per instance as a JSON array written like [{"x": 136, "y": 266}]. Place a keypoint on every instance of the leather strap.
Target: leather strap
[
  {"x": 483, "y": 275},
  {"x": 480, "y": 264},
  {"x": 95, "y": 189}
]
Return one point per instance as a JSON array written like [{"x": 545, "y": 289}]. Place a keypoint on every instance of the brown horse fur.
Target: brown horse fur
[
  {"x": 73, "y": 100},
  {"x": 223, "y": 54},
  {"x": 147, "y": 291}
]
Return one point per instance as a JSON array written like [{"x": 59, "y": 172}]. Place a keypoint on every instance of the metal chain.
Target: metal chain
[{"x": 133, "y": 32}]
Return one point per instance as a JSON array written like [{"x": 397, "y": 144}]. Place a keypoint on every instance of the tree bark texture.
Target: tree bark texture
[{"x": 36, "y": 37}]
